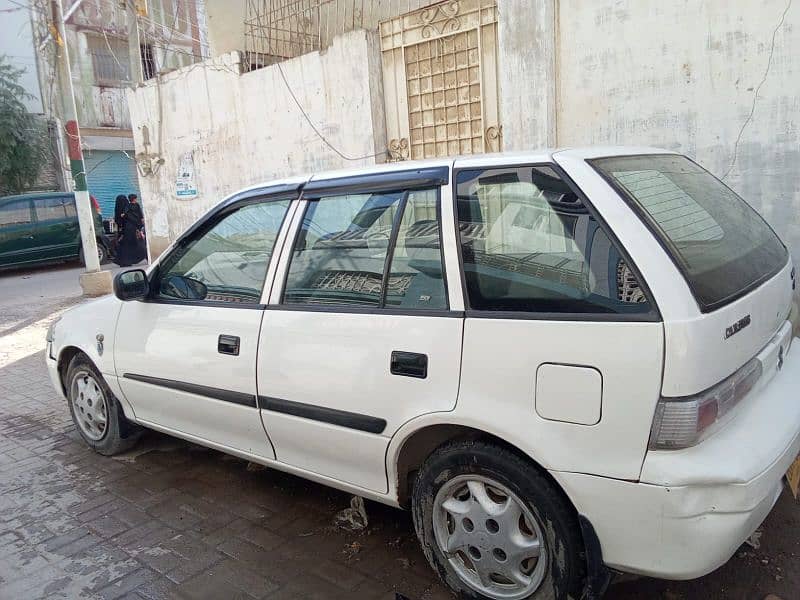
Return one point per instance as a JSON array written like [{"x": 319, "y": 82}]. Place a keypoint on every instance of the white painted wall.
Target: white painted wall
[
  {"x": 246, "y": 128},
  {"x": 684, "y": 75}
]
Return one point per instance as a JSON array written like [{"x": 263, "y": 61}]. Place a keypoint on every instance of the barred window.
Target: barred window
[{"x": 110, "y": 59}]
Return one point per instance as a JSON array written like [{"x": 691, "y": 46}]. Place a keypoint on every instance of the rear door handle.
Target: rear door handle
[
  {"x": 228, "y": 344},
  {"x": 409, "y": 364}
]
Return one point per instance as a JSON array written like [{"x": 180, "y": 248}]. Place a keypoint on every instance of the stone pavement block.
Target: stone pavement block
[
  {"x": 240, "y": 577},
  {"x": 100, "y": 565},
  {"x": 43, "y": 583},
  {"x": 158, "y": 588},
  {"x": 246, "y": 552},
  {"x": 310, "y": 587},
  {"x": 160, "y": 559},
  {"x": 65, "y": 539},
  {"x": 107, "y": 526},
  {"x": 335, "y": 574},
  {"x": 197, "y": 564},
  {"x": 131, "y": 516},
  {"x": 261, "y": 537},
  {"x": 207, "y": 586},
  {"x": 125, "y": 584}
]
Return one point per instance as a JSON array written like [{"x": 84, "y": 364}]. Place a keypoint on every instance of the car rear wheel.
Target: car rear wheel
[
  {"x": 95, "y": 411},
  {"x": 493, "y": 526}
]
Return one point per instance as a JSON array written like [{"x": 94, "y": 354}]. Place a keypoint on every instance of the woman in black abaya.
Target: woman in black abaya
[{"x": 131, "y": 249}]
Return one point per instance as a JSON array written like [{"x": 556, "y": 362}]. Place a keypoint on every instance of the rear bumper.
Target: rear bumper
[{"x": 693, "y": 508}]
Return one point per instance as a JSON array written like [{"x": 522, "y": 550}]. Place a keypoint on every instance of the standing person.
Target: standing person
[
  {"x": 120, "y": 205},
  {"x": 131, "y": 248}
]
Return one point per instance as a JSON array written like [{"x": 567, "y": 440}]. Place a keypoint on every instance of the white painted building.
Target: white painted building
[{"x": 403, "y": 79}]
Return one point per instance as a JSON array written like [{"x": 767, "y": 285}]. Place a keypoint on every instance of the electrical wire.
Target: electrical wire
[
  {"x": 314, "y": 127},
  {"x": 28, "y": 6}
]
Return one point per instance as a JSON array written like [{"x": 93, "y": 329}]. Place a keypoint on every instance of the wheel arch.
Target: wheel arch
[
  {"x": 65, "y": 356},
  {"x": 69, "y": 352},
  {"x": 415, "y": 445}
]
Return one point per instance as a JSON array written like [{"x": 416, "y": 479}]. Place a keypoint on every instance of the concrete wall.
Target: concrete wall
[
  {"x": 246, "y": 128},
  {"x": 225, "y": 26},
  {"x": 527, "y": 57},
  {"x": 687, "y": 76}
]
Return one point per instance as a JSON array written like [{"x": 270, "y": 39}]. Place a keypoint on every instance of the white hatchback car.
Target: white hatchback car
[{"x": 563, "y": 362}]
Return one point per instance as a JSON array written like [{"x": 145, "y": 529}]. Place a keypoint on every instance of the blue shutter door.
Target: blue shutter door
[{"x": 110, "y": 173}]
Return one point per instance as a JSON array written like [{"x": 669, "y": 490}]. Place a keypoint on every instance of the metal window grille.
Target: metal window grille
[
  {"x": 276, "y": 30},
  {"x": 110, "y": 59}
]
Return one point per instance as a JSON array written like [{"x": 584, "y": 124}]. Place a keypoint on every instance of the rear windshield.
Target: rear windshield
[{"x": 722, "y": 246}]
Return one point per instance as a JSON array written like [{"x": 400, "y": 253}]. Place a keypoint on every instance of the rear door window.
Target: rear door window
[
  {"x": 723, "y": 247},
  {"x": 55, "y": 209},
  {"x": 529, "y": 244},
  {"x": 371, "y": 250}
]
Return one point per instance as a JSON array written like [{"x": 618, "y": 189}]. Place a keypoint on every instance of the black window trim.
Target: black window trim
[
  {"x": 654, "y": 230},
  {"x": 652, "y": 316},
  {"x": 201, "y": 227},
  {"x": 380, "y": 309},
  {"x": 382, "y": 181}
]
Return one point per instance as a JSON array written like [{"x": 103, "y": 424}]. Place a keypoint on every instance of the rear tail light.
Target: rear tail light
[{"x": 681, "y": 422}]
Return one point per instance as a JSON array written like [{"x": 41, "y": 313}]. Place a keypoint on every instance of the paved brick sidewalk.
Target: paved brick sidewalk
[{"x": 172, "y": 519}]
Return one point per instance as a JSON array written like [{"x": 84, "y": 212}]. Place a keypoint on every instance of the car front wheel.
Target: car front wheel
[
  {"x": 493, "y": 526},
  {"x": 95, "y": 411}
]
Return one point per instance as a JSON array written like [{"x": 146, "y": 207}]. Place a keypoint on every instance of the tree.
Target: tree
[{"x": 22, "y": 147}]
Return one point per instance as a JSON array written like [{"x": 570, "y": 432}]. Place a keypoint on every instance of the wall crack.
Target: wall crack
[{"x": 758, "y": 89}]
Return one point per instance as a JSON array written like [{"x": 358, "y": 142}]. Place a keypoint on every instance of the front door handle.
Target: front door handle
[
  {"x": 228, "y": 344},
  {"x": 409, "y": 364}
]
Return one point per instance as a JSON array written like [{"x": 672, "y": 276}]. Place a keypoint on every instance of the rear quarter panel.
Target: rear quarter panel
[{"x": 698, "y": 353}]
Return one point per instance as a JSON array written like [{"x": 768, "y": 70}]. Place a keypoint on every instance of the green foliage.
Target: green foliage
[{"x": 22, "y": 145}]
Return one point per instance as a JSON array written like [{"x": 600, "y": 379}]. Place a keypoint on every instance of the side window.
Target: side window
[
  {"x": 227, "y": 263},
  {"x": 529, "y": 244},
  {"x": 342, "y": 250},
  {"x": 54, "y": 209},
  {"x": 15, "y": 213}
]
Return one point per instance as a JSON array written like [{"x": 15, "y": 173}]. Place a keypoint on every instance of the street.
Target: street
[{"x": 171, "y": 519}]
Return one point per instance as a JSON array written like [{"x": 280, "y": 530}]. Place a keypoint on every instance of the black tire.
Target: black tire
[
  {"x": 102, "y": 254},
  {"x": 119, "y": 434},
  {"x": 565, "y": 567}
]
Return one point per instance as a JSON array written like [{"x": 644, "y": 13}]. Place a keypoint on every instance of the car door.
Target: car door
[
  {"x": 17, "y": 243},
  {"x": 562, "y": 337},
  {"x": 186, "y": 357},
  {"x": 57, "y": 234},
  {"x": 359, "y": 336}
]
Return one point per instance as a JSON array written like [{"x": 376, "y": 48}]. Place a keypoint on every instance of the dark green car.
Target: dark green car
[{"x": 43, "y": 227}]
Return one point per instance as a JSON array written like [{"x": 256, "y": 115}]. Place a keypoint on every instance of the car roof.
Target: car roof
[
  {"x": 462, "y": 161},
  {"x": 34, "y": 195}
]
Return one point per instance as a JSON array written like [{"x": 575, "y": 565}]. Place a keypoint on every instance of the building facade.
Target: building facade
[
  {"x": 296, "y": 86},
  {"x": 113, "y": 46}
]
